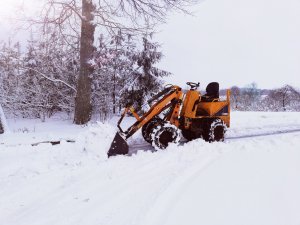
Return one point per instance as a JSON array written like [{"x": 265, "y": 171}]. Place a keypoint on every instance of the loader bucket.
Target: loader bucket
[{"x": 118, "y": 147}]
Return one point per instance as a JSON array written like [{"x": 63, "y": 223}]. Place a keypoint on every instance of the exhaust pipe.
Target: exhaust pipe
[{"x": 119, "y": 146}]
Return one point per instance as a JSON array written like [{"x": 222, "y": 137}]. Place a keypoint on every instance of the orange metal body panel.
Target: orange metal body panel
[
  {"x": 210, "y": 109},
  {"x": 189, "y": 109}
]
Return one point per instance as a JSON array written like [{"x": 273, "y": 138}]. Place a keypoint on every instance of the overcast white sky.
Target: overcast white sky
[{"x": 234, "y": 42}]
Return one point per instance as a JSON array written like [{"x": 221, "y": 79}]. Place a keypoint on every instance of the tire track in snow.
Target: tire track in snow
[
  {"x": 158, "y": 211},
  {"x": 148, "y": 147},
  {"x": 264, "y": 134}
]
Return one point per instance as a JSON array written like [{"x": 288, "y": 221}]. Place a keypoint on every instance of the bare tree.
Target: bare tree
[{"x": 81, "y": 18}]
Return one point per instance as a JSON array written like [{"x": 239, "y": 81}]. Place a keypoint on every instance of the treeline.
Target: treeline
[
  {"x": 41, "y": 79},
  {"x": 250, "y": 98}
]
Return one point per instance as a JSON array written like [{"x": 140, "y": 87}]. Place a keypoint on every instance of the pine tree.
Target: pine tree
[
  {"x": 113, "y": 65},
  {"x": 148, "y": 79},
  {"x": 10, "y": 57}
]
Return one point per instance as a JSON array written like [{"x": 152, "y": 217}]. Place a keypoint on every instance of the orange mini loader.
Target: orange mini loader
[{"x": 174, "y": 113}]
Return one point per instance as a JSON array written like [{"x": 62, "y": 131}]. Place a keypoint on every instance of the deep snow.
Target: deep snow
[{"x": 253, "y": 181}]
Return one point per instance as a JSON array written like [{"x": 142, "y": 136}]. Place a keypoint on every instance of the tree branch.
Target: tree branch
[{"x": 53, "y": 80}]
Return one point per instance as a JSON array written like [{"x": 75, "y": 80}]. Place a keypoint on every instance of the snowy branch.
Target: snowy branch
[{"x": 51, "y": 79}]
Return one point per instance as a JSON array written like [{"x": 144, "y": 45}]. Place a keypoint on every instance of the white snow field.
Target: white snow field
[{"x": 243, "y": 181}]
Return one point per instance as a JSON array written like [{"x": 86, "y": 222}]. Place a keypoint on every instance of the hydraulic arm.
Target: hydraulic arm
[{"x": 170, "y": 98}]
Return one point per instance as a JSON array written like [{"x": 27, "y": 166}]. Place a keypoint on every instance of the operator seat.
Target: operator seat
[{"x": 212, "y": 92}]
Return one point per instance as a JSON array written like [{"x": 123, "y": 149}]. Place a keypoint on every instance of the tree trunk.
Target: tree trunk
[
  {"x": 114, "y": 81},
  {"x": 283, "y": 104},
  {"x": 83, "y": 106},
  {"x": 3, "y": 123},
  {"x": 114, "y": 94}
]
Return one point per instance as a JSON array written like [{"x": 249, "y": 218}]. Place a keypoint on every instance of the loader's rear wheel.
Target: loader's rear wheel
[
  {"x": 148, "y": 128},
  {"x": 165, "y": 134},
  {"x": 214, "y": 130}
]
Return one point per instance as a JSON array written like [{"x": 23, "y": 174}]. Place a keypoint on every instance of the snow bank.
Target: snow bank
[{"x": 96, "y": 139}]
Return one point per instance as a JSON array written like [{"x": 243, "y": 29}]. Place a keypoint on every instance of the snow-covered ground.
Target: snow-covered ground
[{"x": 244, "y": 181}]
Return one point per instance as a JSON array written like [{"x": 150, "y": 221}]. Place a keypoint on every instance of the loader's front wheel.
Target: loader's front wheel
[
  {"x": 214, "y": 130},
  {"x": 148, "y": 128},
  {"x": 165, "y": 134}
]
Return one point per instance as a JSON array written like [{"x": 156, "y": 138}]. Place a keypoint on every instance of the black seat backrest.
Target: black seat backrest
[{"x": 212, "y": 90}]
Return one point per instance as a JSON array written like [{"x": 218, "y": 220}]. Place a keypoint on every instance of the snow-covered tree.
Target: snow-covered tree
[
  {"x": 10, "y": 67},
  {"x": 42, "y": 80},
  {"x": 285, "y": 98},
  {"x": 50, "y": 68},
  {"x": 147, "y": 79},
  {"x": 124, "y": 73},
  {"x": 88, "y": 15},
  {"x": 249, "y": 98},
  {"x": 113, "y": 65}
]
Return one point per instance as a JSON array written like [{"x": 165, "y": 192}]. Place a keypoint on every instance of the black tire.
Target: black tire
[
  {"x": 214, "y": 130},
  {"x": 165, "y": 134},
  {"x": 148, "y": 128}
]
